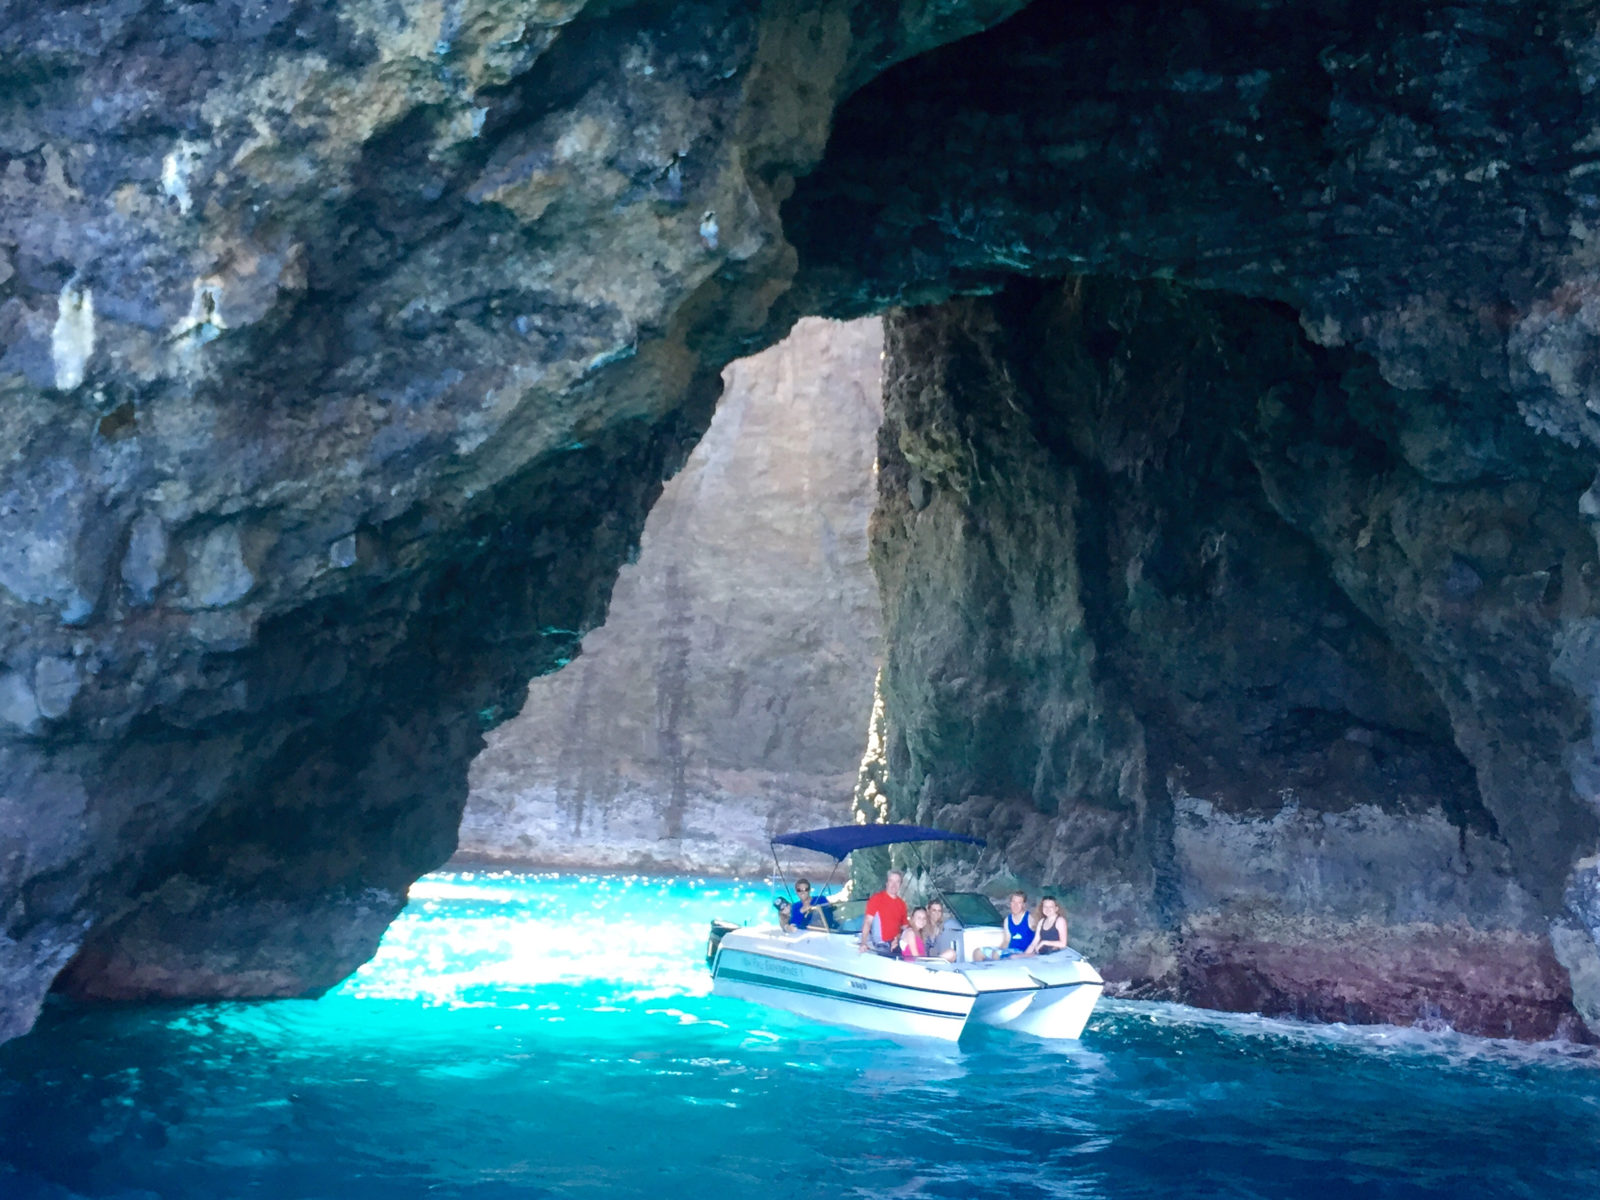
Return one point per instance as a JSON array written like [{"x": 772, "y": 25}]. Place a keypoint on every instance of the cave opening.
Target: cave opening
[
  {"x": 1119, "y": 635},
  {"x": 727, "y": 694},
  {"x": 1234, "y": 498}
]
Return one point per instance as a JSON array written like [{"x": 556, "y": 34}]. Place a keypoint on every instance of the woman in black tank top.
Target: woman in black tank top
[{"x": 1051, "y": 928}]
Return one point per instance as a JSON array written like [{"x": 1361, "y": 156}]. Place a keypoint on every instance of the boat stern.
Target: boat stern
[{"x": 1047, "y": 997}]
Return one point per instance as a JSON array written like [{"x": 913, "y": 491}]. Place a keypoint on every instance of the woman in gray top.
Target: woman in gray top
[{"x": 940, "y": 938}]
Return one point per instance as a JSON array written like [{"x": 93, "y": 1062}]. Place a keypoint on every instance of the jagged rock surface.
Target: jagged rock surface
[
  {"x": 725, "y": 698},
  {"x": 343, "y": 348},
  {"x": 1414, "y": 186},
  {"x": 1129, "y": 538}
]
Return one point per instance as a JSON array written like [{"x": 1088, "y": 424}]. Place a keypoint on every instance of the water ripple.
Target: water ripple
[{"x": 530, "y": 1036}]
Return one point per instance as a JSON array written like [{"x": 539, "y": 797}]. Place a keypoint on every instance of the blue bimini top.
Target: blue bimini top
[{"x": 839, "y": 840}]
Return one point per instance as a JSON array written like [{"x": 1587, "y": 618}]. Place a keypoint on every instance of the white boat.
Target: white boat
[{"x": 821, "y": 972}]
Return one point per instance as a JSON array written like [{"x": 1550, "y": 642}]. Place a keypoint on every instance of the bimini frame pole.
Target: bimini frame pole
[
  {"x": 927, "y": 873},
  {"x": 783, "y": 877},
  {"x": 777, "y": 867}
]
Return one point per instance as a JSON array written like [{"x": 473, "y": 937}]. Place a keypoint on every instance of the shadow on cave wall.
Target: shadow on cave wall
[{"x": 1173, "y": 619}]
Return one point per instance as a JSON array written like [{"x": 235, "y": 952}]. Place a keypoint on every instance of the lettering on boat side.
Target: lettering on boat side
[{"x": 858, "y": 985}]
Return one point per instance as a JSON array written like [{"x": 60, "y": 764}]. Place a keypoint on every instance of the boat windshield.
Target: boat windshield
[
  {"x": 971, "y": 909},
  {"x": 848, "y": 915}
]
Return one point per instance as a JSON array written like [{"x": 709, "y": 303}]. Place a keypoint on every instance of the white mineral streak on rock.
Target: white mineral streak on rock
[
  {"x": 726, "y": 698},
  {"x": 870, "y": 804},
  {"x": 1323, "y": 330},
  {"x": 72, "y": 338},
  {"x": 176, "y": 168},
  {"x": 343, "y": 552},
  {"x": 204, "y": 320}
]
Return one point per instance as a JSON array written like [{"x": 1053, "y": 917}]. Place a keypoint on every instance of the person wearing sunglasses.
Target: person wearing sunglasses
[{"x": 803, "y": 912}]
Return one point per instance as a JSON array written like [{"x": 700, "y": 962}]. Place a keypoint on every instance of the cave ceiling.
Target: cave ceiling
[{"x": 344, "y": 348}]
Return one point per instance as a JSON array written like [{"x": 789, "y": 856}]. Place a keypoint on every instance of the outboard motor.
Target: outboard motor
[{"x": 714, "y": 942}]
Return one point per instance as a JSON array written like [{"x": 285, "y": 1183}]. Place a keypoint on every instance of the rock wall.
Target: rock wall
[
  {"x": 343, "y": 349},
  {"x": 726, "y": 697},
  {"x": 1127, "y": 536}
]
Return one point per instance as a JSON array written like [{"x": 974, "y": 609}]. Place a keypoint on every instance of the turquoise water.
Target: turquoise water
[{"x": 544, "y": 1036}]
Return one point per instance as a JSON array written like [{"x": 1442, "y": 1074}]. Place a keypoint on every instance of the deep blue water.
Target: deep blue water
[{"x": 530, "y": 1036}]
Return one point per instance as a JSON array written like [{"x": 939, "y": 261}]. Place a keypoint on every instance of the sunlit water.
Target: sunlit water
[{"x": 528, "y": 1036}]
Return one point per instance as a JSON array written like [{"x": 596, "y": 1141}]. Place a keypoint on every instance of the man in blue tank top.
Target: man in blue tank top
[
  {"x": 1019, "y": 931},
  {"x": 1019, "y": 926}
]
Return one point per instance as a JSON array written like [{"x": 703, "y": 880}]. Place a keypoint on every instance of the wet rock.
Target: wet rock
[
  {"x": 51, "y": 543},
  {"x": 146, "y": 556},
  {"x": 19, "y": 708},
  {"x": 1237, "y": 715},
  {"x": 343, "y": 552},
  {"x": 217, "y": 575},
  {"x": 55, "y": 682}
]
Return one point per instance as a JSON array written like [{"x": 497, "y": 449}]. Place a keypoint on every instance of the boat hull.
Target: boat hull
[
  {"x": 1059, "y": 1011},
  {"x": 1049, "y": 996},
  {"x": 871, "y": 993},
  {"x": 824, "y": 977}
]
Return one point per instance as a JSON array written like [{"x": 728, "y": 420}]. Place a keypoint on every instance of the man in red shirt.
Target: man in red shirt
[{"x": 886, "y": 914}]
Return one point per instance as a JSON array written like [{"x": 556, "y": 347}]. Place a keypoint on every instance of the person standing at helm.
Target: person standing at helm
[
  {"x": 803, "y": 912},
  {"x": 886, "y": 916}
]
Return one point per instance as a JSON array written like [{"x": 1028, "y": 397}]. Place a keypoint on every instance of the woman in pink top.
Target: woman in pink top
[{"x": 913, "y": 943}]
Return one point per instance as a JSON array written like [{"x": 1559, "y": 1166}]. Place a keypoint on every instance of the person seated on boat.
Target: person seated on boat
[
  {"x": 885, "y": 917},
  {"x": 913, "y": 939},
  {"x": 804, "y": 912},
  {"x": 1051, "y": 926},
  {"x": 1020, "y": 932},
  {"x": 942, "y": 940}
]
